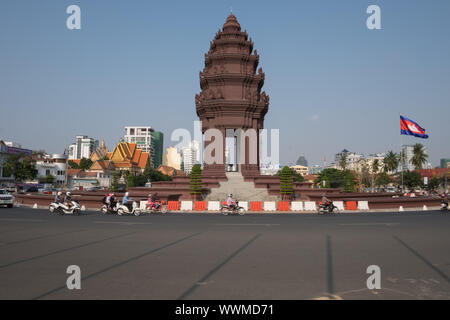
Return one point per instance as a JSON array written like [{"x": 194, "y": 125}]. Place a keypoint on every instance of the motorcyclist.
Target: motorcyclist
[
  {"x": 59, "y": 198},
  {"x": 444, "y": 201},
  {"x": 105, "y": 199},
  {"x": 112, "y": 201},
  {"x": 325, "y": 201},
  {"x": 68, "y": 199},
  {"x": 152, "y": 200},
  {"x": 126, "y": 201},
  {"x": 230, "y": 202}
]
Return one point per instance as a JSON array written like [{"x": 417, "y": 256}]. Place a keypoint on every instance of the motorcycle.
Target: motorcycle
[
  {"x": 327, "y": 208},
  {"x": 162, "y": 208},
  {"x": 444, "y": 205},
  {"x": 106, "y": 209},
  {"x": 123, "y": 209},
  {"x": 236, "y": 209},
  {"x": 62, "y": 209}
]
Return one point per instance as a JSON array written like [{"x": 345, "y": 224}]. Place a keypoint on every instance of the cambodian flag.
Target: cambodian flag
[{"x": 411, "y": 128}]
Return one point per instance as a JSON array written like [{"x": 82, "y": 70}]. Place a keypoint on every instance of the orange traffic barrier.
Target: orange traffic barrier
[
  {"x": 351, "y": 205},
  {"x": 283, "y": 206},
  {"x": 173, "y": 205},
  {"x": 255, "y": 206},
  {"x": 200, "y": 205}
]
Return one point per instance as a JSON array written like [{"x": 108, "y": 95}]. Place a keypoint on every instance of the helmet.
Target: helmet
[
  {"x": 230, "y": 195},
  {"x": 68, "y": 193},
  {"x": 126, "y": 194},
  {"x": 59, "y": 193},
  {"x": 149, "y": 195}
]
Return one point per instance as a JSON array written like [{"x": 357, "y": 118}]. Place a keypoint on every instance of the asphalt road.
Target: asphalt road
[{"x": 205, "y": 256}]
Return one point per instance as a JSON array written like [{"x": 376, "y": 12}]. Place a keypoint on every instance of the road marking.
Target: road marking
[
  {"x": 389, "y": 224},
  {"x": 124, "y": 223},
  {"x": 122, "y": 263},
  {"x": 20, "y": 220},
  {"x": 247, "y": 224},
  {"x": 206, "y": 277}
]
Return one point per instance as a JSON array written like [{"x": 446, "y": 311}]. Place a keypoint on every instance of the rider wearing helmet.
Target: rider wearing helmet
[
  {"x": 112, "y": 201},
  {"x": 68, "y": 199},
  {"x": 59, "y": 198},
  {"x": 325, "y": 200},
  {"x": 126, "y": 201},
  {"x": 230, "y": 202}
]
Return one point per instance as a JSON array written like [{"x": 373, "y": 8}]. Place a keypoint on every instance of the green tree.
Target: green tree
[
  {"x": 47, "y": 179},
  {"x": 140, "y": 180},
  {"x": 154, "y": 175},
  {"x": 363, "y": 174},
  {"x": 412, "y": 179},
  {"x": 297, "y": 176},
  {"x": 72, "y": 164},
  {"x": 349, "y": 182},
  {"x": 334, "y": 177},
  {"x": 22, "y": 168},
  {"x": 286, "y": 185},
  {"x": 433, "y": 183},
  {"x": 130, "y": 181},
  {"x": 115, "y": 182},
  {"x": 85, "y": 164},
  {"x": 195, "y": 184},
  {"x": 391, "y": 161},
  {"x": 419, "y": 157},
  {"x": 383, "y": 179}
]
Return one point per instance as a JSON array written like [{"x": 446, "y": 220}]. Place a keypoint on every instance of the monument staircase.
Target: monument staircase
[{"x": 241, "y": 190}]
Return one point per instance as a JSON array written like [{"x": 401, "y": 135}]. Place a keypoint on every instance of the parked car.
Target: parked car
[{"x": 6, "y": 199}]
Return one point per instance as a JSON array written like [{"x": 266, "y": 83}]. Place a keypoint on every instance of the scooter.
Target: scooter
[
  {"x": 162, "y": 208},
  {"x": 444, "y": 205},
  {"x": 123, "y": 209},
  {"x": 236, "y": 209},
  {"x": 327, "y": 208},
  {"x": 106, "y": 209},
  {"x": 62, "y": 209}
]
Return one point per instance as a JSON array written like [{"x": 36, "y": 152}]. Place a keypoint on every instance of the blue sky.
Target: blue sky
[{"x": 333, "y": 83}]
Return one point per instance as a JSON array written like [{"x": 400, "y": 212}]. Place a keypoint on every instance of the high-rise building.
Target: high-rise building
[
  {"x": 408, "y": 153},
  {"x": 352, "y": 160},
  {"x": 190, "y": 156},
  {"x": 159, "y": 148},
  {"x": 301, "y": 161},
  {"x": 144, "y": 139},
  {"x": 82, "y": 147},
  {"x": 172, "y": 158},
  {"x": 445, "y": 163}
]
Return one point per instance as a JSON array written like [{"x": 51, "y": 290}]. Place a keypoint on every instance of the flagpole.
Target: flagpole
[{"x": 401, "y": 152}]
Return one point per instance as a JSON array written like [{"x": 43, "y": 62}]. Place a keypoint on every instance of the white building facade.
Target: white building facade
[
  {"x": 191, "y": 156},
  {"x": 54, "y": 166},
  {"x": 82, "y": 148},
  {"x": 143, "y": 137}
]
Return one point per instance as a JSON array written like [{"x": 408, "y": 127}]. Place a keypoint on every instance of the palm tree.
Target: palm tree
[
  {"x": 391, "y": 161},
  {"x": 419, "y": 156},
  {"x": 343, "y": 161},
  {"x": 375, "y": 168}
]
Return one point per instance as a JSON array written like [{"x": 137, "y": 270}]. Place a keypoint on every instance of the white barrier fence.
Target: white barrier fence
[
  {"x": 269, "y": 206},
  {"x": 363, "y": 205},
  {"x": 186, "y": 205},
  {"x": 295, "y": 206}
]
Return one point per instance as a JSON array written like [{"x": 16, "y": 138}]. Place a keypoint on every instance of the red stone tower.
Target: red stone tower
[{"x": 231, "y": 96}]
